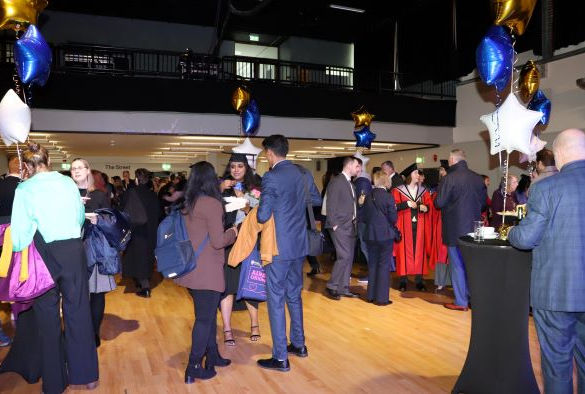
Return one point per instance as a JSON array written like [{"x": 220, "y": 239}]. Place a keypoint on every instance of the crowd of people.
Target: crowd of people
[{"x": 395, "y": 220}]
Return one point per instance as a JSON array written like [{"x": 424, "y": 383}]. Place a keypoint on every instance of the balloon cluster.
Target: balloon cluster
[
  {"x": 248, "y": 109},
  {"x": 362, "y": 133},
  {"x": 32, "y": 58}
]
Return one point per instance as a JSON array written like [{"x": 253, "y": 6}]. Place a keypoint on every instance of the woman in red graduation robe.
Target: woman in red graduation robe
[{"x": 413, "y": 203}]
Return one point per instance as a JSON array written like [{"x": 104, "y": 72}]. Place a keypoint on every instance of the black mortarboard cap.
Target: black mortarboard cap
[
  {"x": 406, "y": 172},
  {"x": 445, "y": 164}
]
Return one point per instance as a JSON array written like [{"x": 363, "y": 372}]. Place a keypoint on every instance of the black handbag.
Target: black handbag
[{"x": 315, "y": 237}]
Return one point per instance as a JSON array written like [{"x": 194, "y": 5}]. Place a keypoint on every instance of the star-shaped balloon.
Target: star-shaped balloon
[
  {"x": 510, "y": 126},
  {"x": 529, "y": 80},
  {"x": 541, "y": 103},
  {"x": 363, "y": 158},
  {"x": 33, "y": 57},
  {"x": 364, "y": 137},
  {"x": 18, "y": 14},
  {"x": 494, "y": 57},
  {"x": 513, "y": 13},
  {"x": 250, "y": 118},
  {"x": 249, "y": 150},
  {"x": 14, "y": 119},
  {"x": 536, "y": 145},
  {"x": 361, "y": 117}
]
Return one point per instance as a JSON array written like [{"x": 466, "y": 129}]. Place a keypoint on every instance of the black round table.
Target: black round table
[{"x": 498, "y": 359}]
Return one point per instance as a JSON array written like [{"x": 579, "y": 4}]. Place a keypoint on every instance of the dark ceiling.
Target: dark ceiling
[{"x": 431, "y": 45}]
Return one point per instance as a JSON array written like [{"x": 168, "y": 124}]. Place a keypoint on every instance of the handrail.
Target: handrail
[{"x": 99, "y": 59}]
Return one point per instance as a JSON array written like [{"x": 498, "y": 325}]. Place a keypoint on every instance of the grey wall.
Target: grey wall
[
  {"x": 299, "y": 49},
  {"x": 65, "y": 27}
]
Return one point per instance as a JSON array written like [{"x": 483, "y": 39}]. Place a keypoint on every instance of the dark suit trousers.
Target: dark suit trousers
[
  {"x": 562, "y": 338},
  {"x": 203, "y": 338},
  {"x": 344, "y": 239},
  {"x": 77, "y": 346},
  {"x": 284, "y": 283},
  {"x": 379, "y": 270}
]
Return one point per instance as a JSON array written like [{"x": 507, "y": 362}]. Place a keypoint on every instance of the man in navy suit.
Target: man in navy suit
[
  {"x": 284, "y": 196},
  {"x": 555, "y": 230}
]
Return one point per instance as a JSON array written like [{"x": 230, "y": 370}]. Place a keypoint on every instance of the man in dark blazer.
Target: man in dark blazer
[
  {"x": 341, "y": 223},
  {"x": 395, "y": 178},
  {"x": 8, "y": 186},
  {"x": 461, "y": 196},
  {"x": 284, "y": 196},
  {"x": 554, "y": 230}
]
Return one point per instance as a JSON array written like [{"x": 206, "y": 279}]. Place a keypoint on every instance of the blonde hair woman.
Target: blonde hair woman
[{"x": 92, "y": 198}]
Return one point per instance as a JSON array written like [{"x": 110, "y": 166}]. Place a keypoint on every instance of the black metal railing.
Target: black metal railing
[{"x": 94, "y": 59}]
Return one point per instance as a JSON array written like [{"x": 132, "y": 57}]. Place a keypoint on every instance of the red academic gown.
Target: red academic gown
[
  {"x": 439, "y": 253},
  {"x": 409, "y": 261}
]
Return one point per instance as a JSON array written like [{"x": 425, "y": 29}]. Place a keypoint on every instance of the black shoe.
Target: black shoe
[
  {"x": 421, "y": 287},
  {"x": 274, "y": 364},
  {"x": 297, "y": 351},
  {"x": 144, "y": 293},
  {"x": 332, "y": 294},
  {"x": 382, "y": 303},
  {"x": 314, "y": 272},
  {"x": 195, "y": 371},
  {"x": 98, "y": 341},
  {"x": 349, "y": 294},
  {"x": 214, "y": 359},
  {"x": 402, "y": 287}
]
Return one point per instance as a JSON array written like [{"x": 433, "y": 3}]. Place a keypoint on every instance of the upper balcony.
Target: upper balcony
[{"x": 89, "y": 77}]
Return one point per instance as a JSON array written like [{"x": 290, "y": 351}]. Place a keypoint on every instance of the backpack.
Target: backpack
[{"x": 174, "y": 253}]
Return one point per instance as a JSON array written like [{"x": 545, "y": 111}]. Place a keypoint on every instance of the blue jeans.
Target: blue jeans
[
  {"x": 562, "y": 338},
  {"x": 458, "y": 276},
  {"x": 284, "y": 282}
]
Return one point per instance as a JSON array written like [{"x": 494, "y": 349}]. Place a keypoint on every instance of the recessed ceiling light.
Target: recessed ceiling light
[
  {"x": 254, "y": 37},
  {"x": 346, "y": 8}
]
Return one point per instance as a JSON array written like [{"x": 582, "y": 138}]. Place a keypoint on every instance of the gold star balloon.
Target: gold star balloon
[
  {"x": 361, "y": 117},
  {"x": 513, "y": 13},
  {"x": 529, "y": 80},
  {"x": 18, "y": 14},
  {"x": 240, "y": 99}
]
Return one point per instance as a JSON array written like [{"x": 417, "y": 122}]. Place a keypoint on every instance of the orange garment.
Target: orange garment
[{"x": 248, "y": 236}]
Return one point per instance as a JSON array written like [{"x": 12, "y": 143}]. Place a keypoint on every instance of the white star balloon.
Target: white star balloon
[
  {"x": 536, "y": 145},
  {"x": 249, "y": 150},
  {"x": 511, "y": 126},
  {"x": 14, "y": 119}
]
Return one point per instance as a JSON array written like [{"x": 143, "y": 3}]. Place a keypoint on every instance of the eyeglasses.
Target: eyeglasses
[{"x": 78, "y": 168}]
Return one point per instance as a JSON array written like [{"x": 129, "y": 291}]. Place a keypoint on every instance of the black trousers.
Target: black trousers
[
  {"x": 204, "y": 339},
  {"x": 380, "y": 258},
  {"x": 72, "y": 357},
  {"x": 313, "y": 262},
  {"x": 97, "y": 303}
]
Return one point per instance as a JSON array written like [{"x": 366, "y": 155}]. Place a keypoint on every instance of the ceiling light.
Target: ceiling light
[
  {"x": 346, "y": 8},
  {"x": 331, "y": 147},
  {"x": 254, "y": 37}
]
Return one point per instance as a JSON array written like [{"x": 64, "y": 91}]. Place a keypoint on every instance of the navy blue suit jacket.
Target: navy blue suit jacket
[
  {"x": 555, "y": 229},
  {"x": 379, "y": 216},
  {"x": 283, "y": 194}
]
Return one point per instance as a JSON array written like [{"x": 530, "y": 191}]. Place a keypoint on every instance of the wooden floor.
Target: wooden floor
[{"x": 412, "y": 346}]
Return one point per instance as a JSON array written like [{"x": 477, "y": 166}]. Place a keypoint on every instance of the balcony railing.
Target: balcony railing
[{"x": 93, "y": 59}]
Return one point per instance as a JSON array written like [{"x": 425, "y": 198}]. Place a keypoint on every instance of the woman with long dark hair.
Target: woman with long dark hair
[
  {"x": 92, "y": 190},
  {"x": 238, "y": 180},
  {"x": 203, "y": 210},
  {"x": 49, "y": 202}
]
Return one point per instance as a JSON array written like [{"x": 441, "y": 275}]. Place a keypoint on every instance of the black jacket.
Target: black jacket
[
  {"x": 379, "y": 215},
  {"x": 461, "y": 196}
]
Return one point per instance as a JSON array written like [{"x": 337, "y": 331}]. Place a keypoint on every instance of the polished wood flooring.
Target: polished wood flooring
[{"x": 412, "y": 346}]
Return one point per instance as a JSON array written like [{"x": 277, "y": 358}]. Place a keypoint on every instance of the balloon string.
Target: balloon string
[
  {"x": 505, "y": 191},
  {"x": 514, "y": 80}
]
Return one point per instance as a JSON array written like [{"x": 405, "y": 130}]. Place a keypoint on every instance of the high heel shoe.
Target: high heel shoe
[{"x": 195, "y": 371}]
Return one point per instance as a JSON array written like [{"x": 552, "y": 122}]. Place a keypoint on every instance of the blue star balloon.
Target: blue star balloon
[
  {"x": 494, "y": 57},
  {"x": 364, "y": 137},
  {"x": 251, "y": 118},
  {"x": 33, "y": 57},
  {"x": 541, "y": 103}
]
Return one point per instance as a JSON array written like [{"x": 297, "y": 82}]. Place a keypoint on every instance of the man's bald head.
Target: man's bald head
[{"x": 569, "y": 146}]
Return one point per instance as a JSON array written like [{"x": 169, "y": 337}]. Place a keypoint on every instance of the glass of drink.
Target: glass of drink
[{"x": 477, "y": 232}]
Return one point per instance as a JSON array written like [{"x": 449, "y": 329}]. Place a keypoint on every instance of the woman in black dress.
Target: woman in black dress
[{"x": 239, "y": 180}]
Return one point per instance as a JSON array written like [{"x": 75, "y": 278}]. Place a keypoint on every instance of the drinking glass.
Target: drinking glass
[{"x": 477, "y": 230}]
